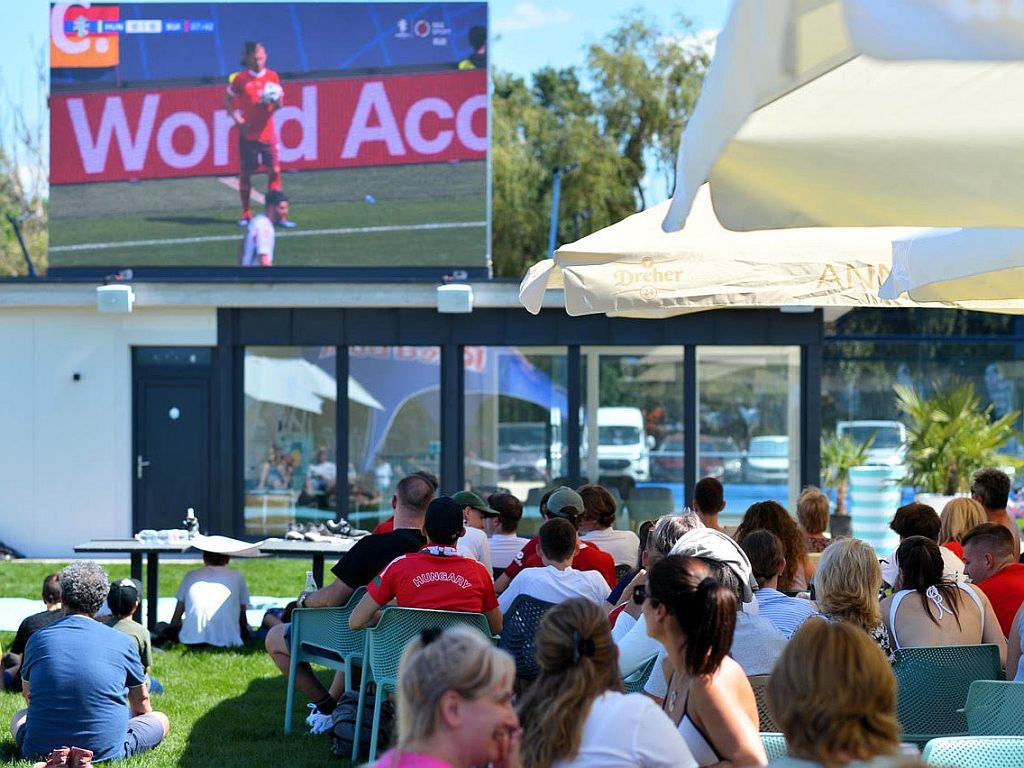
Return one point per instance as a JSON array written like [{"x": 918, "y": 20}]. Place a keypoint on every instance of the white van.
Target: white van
[{"x": 623, "y": 447}]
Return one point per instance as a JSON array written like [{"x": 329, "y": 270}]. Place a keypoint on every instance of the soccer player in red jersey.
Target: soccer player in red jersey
[{"x": 253, "y": 95}]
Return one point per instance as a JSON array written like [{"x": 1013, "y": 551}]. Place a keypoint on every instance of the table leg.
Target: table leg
[
  {"x": 152, "y": 587},
  {"x": 318, "y": 569},
  {"x": 136, "y": 573}
]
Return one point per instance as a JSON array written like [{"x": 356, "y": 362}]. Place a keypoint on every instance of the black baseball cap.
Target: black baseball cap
[{"x": 443, "y": 522}]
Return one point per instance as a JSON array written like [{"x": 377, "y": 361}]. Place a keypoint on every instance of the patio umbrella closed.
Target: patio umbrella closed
[{"x": 860, "y": 113}]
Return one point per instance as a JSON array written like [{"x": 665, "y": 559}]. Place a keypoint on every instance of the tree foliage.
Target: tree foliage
[
  {"x": 840, "y": 454},
  {"x": 642, "y": 88}
]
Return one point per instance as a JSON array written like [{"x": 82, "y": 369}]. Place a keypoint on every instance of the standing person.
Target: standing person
[
  {"x": 355, "y": 569},
  {"x": 991, "y": 488},
  {"x": 812, "y": 512},
  {"x": 709, "y": 501},
  {"x": 709, "y": 697},
  {"x": 253, "y": 95},
  {"x": 454, "y": 704},
  {"x": 478, "y": 516},
  {"x": 505, "y": 541},
  {"x": 32, "y": 624},
  {"x": 258, "y": 245},
  {"x": 989, "y": 561},
  {"x": 84, "y": 682},
  {"x": 575, "y": 714},
  {"x": 599, "y": 510}
]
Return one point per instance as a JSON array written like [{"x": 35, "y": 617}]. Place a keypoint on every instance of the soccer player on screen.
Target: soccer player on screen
[
  {"x": 258, "y": 246},
  {"x": 253, "y": 95}
]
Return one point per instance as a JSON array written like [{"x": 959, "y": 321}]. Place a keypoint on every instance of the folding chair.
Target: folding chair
[
  {"x": 383, "y": 651},
  {"x": 321, "y": 636},
  {"x": 518, "y": 632},
  {"x": 636, "y": 680},
  {"x": 995, "y": 708},
  {"x": 933, "y": 684},
  {"x": 975, "y": 752}
]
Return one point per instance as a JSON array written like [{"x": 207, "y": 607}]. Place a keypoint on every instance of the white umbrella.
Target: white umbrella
[
  {"x": 860, "y": 113},
  {"x": 297, "y": 383},
  {"x": 962, "y": 266},
  {"x": 635, "y": 268}
]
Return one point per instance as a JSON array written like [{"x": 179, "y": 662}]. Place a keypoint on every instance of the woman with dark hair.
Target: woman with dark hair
[
  {"x": 945, "y": 612},
  {"x": 599, "y": 511},
  {"x": 709, "y": 697},
  {"x": 575, "y": 713},
  {"x": 772, "y": 516}
]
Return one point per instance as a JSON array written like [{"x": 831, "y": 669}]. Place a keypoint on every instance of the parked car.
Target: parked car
[
  {"x": 623, "y": 445},
  {"x": 720, "y": 457},
  {"x": 767, "y": 459},
  {"x": 889, "y": 446}
]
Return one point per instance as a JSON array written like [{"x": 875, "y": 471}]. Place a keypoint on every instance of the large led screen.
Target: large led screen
[{"x": 177, "y": 128}]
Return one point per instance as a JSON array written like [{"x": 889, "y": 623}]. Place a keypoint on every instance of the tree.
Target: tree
[{"x": 840, "y": 454}]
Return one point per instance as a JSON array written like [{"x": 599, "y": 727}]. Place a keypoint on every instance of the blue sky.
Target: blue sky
[{"x": 526, "y": 34}]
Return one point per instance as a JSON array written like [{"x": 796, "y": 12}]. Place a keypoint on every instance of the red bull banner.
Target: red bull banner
[{"x": 182, "y": 132}]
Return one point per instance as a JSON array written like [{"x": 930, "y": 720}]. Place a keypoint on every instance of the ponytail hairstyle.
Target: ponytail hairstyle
[
  {"x": 578, "y": 662},
  {"x": 702, "y": 606},
  {"x": 921, "y": 569}
]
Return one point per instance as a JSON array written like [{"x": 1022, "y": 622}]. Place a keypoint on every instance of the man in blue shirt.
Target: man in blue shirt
[
  {"x": 786, "y": 614},
  {"x": 74, "y": 675}
]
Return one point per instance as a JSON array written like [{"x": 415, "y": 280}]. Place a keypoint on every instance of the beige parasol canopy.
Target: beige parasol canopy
[{"x": 860, "y": 113}]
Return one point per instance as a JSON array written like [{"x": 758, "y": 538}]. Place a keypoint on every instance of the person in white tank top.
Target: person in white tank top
[{"x": 930, "y": 610}]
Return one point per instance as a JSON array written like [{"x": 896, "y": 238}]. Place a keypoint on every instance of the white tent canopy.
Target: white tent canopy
[
  {"x": 635, "y": 268},
  {"x": 860, "y": 113},
  {"x": 961, "y": 266},
  {"x": 298, "y": 383}
]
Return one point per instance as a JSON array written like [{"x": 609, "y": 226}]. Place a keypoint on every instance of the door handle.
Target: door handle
[{"x": 140, "y": 464}]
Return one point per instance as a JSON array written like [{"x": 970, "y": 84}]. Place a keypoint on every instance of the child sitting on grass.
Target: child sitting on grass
[{"x": 123, "y": 599}]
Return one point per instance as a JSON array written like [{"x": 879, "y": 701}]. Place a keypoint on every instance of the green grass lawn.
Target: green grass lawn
[
  {"x": 226, "y": 707},
  {"x": 204, "y": 207}
]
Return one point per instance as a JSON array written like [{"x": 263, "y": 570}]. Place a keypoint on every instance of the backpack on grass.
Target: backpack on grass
[{"x": 344, "y": 719}]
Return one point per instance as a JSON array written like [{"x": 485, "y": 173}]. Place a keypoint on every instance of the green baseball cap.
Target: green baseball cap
[{"x": 470, "y": 499}]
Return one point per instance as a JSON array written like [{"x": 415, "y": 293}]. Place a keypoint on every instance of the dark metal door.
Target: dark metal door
[{"x": 171, "y": 461}]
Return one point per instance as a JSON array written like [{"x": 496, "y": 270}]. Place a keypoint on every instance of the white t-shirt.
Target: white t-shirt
[
  {"x": 504, "y": 547},
  {"x": 554, "y": 586},
  {"x": 629, "y": 730},
  {"x": 635, "y": 645},
  {"x": 474, "y": 544},
  {"x": 623, "y": 546},
  {"x": 259, "y": 238},
  {"x": 213, "y": 596},
  {"x": 952, "y": 567}
]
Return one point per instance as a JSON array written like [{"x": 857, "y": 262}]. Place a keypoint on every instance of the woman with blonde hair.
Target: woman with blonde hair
[
  {"x": 958, "y": 517},
  {"x": 834, "y": 697},
  {"x": 575, "y": 713},
  {"x": 846, "y": 588},
  {"x": 454, "y": 704},
  {"x": 772, "y": 516}
]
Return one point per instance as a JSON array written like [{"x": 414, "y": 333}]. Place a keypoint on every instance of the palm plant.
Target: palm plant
[
  {"x": 950, "y": 436},
  {"x": 839, "y": 454}
]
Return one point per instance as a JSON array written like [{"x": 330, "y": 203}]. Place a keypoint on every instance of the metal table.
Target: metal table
[
  {"x": 135, "y": 549},
  {"x": 315, "y": 549}
]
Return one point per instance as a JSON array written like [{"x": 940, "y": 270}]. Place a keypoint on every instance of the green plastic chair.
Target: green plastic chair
[
  {"x": 933, "y": 684},
  {"x": 383, "y": 651},
  {"x": 321, "y": 636},
  {"x": 636, "y": 680},
  {"x": 995, "y": 708},
  {"x": 975, "y": 752},
  {"x": 774, "y": 745}
]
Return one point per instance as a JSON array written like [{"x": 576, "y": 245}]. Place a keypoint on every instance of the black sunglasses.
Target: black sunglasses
[{"x": 640, "y": 594}]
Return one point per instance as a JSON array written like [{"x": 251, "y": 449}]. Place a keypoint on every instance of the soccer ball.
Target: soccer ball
[{"x": 272, "y": 94}]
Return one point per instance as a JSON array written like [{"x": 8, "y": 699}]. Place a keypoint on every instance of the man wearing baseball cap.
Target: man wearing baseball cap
[
  {"x": 475, "y": 513},
  {"x": 436, "y": 577},
  {"x": 562, "y": 503}
]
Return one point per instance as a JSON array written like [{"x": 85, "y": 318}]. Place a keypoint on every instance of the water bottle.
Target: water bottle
[
  {"x": 191, "y": 523},
  {"x": 310, "y": 583}
]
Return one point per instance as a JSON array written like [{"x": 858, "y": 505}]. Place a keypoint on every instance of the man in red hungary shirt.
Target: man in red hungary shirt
[
  {"x": 253, "y": 95},
  {"x": 566, "y": 503}
]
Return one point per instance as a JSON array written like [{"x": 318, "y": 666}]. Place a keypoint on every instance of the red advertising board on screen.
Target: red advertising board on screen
[{"x": 157, "y": 133}]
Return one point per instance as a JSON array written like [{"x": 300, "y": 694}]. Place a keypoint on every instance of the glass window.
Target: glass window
[
  {"x": 394, "y": 425},
  {"x": 749, "y": 416},
  {"x": 290, "y": 410},
  {"x": 515, "y": 416},
  {"x": 635, "y": 396}
]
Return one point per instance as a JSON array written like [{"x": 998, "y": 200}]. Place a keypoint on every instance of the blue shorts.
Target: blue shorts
[{"x": 144, "y": 733}]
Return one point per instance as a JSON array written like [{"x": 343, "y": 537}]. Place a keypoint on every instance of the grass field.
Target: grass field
[
  {"x": 434, "y": 214},
  {"x": 226, "y": 707}
]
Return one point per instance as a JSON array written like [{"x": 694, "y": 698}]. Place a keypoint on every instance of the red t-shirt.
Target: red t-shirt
[
  {"x": 247, "y": 88},
  {"x": 956, "y": 548},
  {"x": 589, "y": 558},
  {"x": 1005, "y": 590},
  {"x": 447, "y": 582},
  {"x": 387, "y": 525}
]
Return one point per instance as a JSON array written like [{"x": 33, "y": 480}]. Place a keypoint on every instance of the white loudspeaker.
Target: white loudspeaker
[
  {"x": 455, "y": 299},
  {"x": 114, "y": 298}
]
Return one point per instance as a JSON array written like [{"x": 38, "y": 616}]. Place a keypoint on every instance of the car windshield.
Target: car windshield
[
  {"x": 885, "y": 437},
  {"x": 769, "y": 447},
  {"x": 618, "y": 435}
]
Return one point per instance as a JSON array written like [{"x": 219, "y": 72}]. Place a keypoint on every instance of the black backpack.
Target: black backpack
[{"x": 344, "y": 719}]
